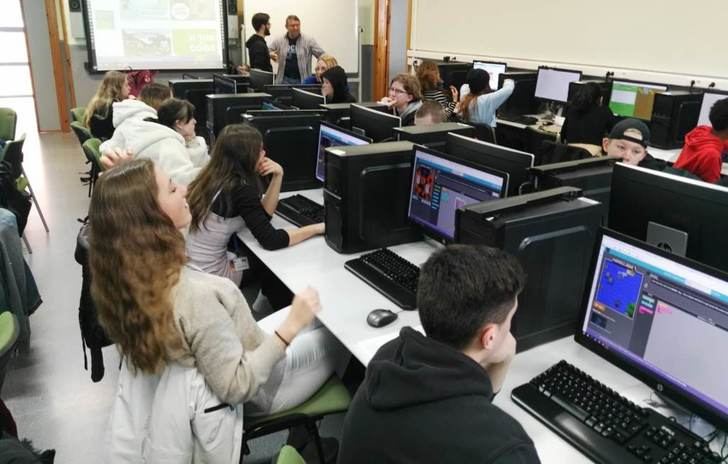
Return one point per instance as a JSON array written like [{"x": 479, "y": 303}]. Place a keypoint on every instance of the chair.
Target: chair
[
  {"x": 331, "y": 398},
  {"x": 484, "y": 132},
  {"x": 77, "y": 114},
  {"x": 93, "y": 155},
  {"x": 8, "y": 337},
  {"x": 289, "y": 455},
  {"x": 81, "y": 131},
  {"x": 8, "y": 122}
]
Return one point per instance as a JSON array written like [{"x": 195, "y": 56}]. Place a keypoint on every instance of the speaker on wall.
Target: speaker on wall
[
  {"x": 232, "y": 7},
  {"x": 74, "y": 6}
]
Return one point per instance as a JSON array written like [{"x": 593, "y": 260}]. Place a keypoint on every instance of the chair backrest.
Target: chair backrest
[
  {"x": 81, "y": 131},
  {"x": 77, "y": 114},
  {"x": 289, "y": 455},
  {"x": 8, "y": 337},
  {"x": 8, "y": 121},
  {"x": 484, "y": 132},
  {"x": 553, "y": 152},
  {"x": 92, "y": 151},
  {"x": 13, "y": 154}
]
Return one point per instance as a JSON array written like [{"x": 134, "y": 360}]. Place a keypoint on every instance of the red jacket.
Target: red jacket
[{"x": 702, "y": 154}]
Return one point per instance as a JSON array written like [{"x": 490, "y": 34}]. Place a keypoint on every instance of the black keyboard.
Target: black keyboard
[
  {"x": 526, "y": 120},
  {"x": 300, "y": 211},
  {"x": 390, "y": 274},
  {"x": 604, "y": 425}
]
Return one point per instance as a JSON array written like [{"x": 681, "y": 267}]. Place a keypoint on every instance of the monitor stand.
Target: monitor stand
[
  {"x": 666, "y": 238},
  {"x": 550, "y": 110},
  {"x": 669, "y": 408}
]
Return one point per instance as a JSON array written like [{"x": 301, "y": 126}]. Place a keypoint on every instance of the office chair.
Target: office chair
[
  {"x": 289, "y": 455},
  {"x": 77, "y": 114},
  {"x": 484, "y": 132},
  {"x": 8, "y": 338},
  {"x": 8, "y": 122},
  {"x": 81, "y": 131},
  {"x": 93, "y": 156}
]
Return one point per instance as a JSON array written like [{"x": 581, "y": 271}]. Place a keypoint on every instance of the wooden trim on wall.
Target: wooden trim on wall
[
  {"x": 409, "y": 24},
  {"x": 67, "y": 66},
  {"x": 381, "y": 49},
  {"x": 55, "y": 44}
]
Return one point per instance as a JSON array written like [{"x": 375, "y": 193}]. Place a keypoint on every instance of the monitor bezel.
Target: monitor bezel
[
  {"x": 306, "y": 94},
  {"x": 378, "y": 113},
  {"x": 426, "y": 228},
  {"x": 550, "y": 68},
  {"x": 260, "y": 73},
  {"x": 702, "y": 101},
  {"x": 663, "y": 387},
  {"x": 505, "y": 70},
  {"x": 227, "y": 81},
  {"x": 632, "y": 81},
  {"x": 333, "y": 126}
]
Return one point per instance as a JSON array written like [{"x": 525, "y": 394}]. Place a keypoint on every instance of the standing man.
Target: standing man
[
  {"x": 296, "y": 51},
  {"x": 259, "y": 56}
]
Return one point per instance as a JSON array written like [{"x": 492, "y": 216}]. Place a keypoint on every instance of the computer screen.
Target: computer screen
[
  {"x": 441, "y": 185},
  {"x": 709, "y": 98},
  {"x": 224, "y": 85},
  {"x": 331, "y": 135},
  {"x": 378, "y": 125},
  {"x": 494, "y": 71},
  {"x": 307, "y": 100},
  {"x": 259, "y": 78},
  {"x": 634, "y": 99},
  {"x": 663, "y": 318},
  {"x": 552, "y": 84}
]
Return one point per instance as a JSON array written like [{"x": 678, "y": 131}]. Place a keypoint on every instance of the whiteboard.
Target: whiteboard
[
  {"x": 333, "y": 23},
  {"x": 674, "y": 38}
]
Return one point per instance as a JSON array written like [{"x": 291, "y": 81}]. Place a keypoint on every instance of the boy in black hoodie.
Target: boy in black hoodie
[
  {"x": 428, "y": 398},
  {"x": 259, "y": 56}
]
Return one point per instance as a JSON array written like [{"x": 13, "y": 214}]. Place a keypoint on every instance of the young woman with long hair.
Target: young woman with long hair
[
  {"x": 481, "y": 102},
  {"x": 99, "y": 111},
  {"x": 161, "y": 311},
  {"x": 428, "y": 75},
  {"x": 404, "y": 98},
  {"x": 587, "y": 121}
]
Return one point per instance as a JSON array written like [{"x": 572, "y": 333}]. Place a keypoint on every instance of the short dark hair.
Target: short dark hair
[
  {"x": 292, "y": 18},
  {"x": 433, "y": 109},
  {"x": 260, "y": 20},
  {"x": 173, "y": 110},
  {"x": 719, "y": 115},
  {"x": 464, "y": 287}
]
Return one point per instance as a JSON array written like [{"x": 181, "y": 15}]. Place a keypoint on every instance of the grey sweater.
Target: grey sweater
[
  {"x": 221, "y": 338},
  {"x": 306, "y": 48}
]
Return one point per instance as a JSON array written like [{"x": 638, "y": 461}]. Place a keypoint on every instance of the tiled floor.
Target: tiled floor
[{"x": 49, "y": 393}]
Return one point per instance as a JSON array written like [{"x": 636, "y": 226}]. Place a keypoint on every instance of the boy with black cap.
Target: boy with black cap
[
  {"x": 628, "y": 140},
  {"x": 704, "y": 146}
]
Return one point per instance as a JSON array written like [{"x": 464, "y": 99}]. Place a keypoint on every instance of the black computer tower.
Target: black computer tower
[
  {"x": 674, "y": 114},
  {"x": 217, "y": 105},
  {"x": 366, "y": 195},
  {"x": 433, "y": 135},
  {"x": 453, "y": 72},
  {"x": 605, "y": 87},
  {"x": 553, "y": 235},
  {"x": 522, "y": 101}
]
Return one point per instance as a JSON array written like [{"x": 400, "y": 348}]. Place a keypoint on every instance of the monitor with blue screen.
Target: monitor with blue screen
[
  {"x": 443, "y": 183},
  {"x": 332, "y": 135}
]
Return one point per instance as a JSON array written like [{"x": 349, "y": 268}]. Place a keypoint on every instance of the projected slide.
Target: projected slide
[
  {"x": 156, "y": 34},
  {"x": 619, "y": 288}
]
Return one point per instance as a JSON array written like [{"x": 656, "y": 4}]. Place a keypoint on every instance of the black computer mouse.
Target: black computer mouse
[{"x": 381, "y": 317}]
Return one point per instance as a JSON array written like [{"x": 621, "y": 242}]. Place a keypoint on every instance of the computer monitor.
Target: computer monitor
[
  {"x": 675, "y": 212},
  {"x": 632, "y": 99},
  {"x": 442, "y": 183},
  {"x": 269, "y": 109},
  {"x": 515, "y": 163},
  {"x": 709, "y": 98},
  {"x": 494, "y": 70},
  {"x": 663, "y": 319},
  {"x": 375, "y": 124},
  {"x": 521, "y": 100},
  {"x": 307, "y": 100},
  {"x": 552, "y": 84},
  {"x": 259, "y": 79},
  {"x": 331, "y": 135},
  {"x": 224, "y": 85},
  {"x": 180, "y": 87}
]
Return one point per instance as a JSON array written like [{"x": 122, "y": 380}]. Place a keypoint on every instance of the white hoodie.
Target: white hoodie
[{"x": 180, "y": 160}]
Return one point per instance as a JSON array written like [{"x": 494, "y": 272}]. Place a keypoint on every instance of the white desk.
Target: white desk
[{"x": 671, "y": 156}]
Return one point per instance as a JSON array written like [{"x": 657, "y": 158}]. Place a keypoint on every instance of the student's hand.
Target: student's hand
[
  {"x": 267, "y": 166},
  {"x": 274, "y": 56},
  {"x": 243, "y": 69},
  {"x": 131, "y": 97},
  {"x": 303, "y": 309},
  {"x": 455, "y": 93},
  {"x": 505, "y": 352},
  {"x": 116, "y": 157},
  {"x": 386, "y": 101}
]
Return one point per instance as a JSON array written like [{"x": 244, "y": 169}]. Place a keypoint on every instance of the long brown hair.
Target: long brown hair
[
  {"x": 108, "y": 92},
  {"x": 232, "y": 163},
  {"x": 136, "y": 256},
  {"x": 429, "y": 75},
  {"x": 478, "y": 81}
]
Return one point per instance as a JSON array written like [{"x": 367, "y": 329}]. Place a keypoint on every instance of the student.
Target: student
[
  {"x": 428, "y": 398},
  {"x": 405, "y": 98},
  {"x": 335, "y": 86},
  {"x": 324, "y": 62},
  {"x": 225, "y": 199},
  {"x": 480, "y": 103},
  {"x": 296, "y": 51},
  {"x": 430, "y": 112},
  {"x": 428, "y": 74},
  {"x": 161, "y": 311},
  {"x": 99, "y": 112},
  {"x": 704, "y": 147},
  {"x": 628, "y": 140},
  {"x": 259, "y": 56},
  {"x": 587, "y": 121},
  {"x": 150, "y": 99},
  {"x": 169, "y": 141}
]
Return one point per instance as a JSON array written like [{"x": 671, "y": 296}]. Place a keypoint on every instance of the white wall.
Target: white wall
[{"x": 671, "y": 42}]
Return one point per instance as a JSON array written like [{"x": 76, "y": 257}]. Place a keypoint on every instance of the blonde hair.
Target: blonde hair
[
  {"x": 108, "y": 92},
  {"x": 136, "y": 256},
  {"x": 329, "y": 60}
]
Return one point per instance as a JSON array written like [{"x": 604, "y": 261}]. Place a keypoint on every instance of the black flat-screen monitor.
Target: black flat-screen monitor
[
  {"x": 378, "y": 125},
  {"x": 181, "y": 86},
  {"x": 259, "y": 79},
  {"x": 513, "y": 162},
  {"x": 331, "y": 135},
  {"x": 552, "y": 84},
  {"x": 633, "y": 99},
  {"x": 443, "y": 183},
  {"x": 663, "y": 319},
  {"x": 306, "y": 100},
  {"x": 285, "y": 91},
  {"x": 224, "y": 85},
  {"x": 673, "y": 211}
]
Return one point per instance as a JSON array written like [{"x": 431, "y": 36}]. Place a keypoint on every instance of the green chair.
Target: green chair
[
  {"x": 93, "y": 155},
  {"x": 81, "y": 131},
  {"x": 331, "y": 398},
  {"x": 8, "y": 122},
  {"x": 77, "y": 114},
  {"x": 289, "y": 455},
  {"x": 8, "y": 337}
]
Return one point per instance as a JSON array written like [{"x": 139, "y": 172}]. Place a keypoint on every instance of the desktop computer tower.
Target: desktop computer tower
[
  {"x": 604, "y": 86},
  {"x": 433, "y": 135},
  {"x": 553, "y": 235},
  {"x": 674, "y": 114},
  {"x": 217, "y": 105},
  {"x": 522, "y": 101},
  {"x": 366, "y": 195}
]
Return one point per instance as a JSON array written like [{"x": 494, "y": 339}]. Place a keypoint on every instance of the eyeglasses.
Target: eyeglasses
[{"x": 396, "y": 90}]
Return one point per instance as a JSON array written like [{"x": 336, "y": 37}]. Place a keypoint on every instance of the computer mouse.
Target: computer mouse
[{"x": 381, "y": 317}]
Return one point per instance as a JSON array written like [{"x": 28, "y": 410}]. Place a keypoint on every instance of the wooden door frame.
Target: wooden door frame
[
  {"x": 381, "y": 49},
  {"x": 55, "y": 46}
]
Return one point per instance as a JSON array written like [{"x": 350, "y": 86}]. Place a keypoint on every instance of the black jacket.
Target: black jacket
[
  {"x": 424, "y": 402},
  {"x": 587, "y": 127},
  {"x": 258, "y": 53}
]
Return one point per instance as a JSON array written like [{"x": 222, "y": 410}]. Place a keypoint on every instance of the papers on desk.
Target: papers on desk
[{"x": 371, "y": 345}]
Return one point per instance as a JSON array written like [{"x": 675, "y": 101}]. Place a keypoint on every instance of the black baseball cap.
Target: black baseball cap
[{"x": 638, "y": 132}]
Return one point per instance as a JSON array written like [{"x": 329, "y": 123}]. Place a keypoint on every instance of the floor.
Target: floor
[{"x": 49, "y": 393}]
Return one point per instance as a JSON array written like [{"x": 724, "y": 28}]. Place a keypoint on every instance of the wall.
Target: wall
[{"x": 398, "y": 37}]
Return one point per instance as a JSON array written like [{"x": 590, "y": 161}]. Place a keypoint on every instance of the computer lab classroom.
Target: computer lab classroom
[{"x": 582, "y": 144}]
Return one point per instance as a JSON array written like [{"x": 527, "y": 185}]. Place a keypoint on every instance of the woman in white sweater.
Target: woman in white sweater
[{"x": 160, "y": 311}]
